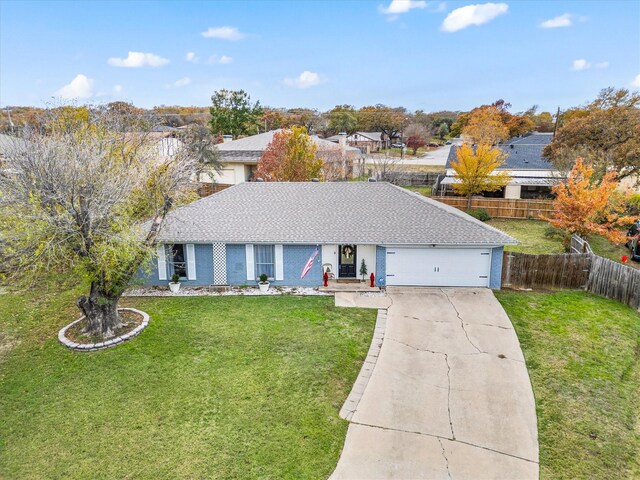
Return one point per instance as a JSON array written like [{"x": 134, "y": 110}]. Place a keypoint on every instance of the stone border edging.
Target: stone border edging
[
  {"x": 92, "y": 347},
  {"x": 352, "y": 401}
]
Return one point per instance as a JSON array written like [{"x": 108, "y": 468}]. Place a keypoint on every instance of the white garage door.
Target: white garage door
[{"x": 441, "y": 267}]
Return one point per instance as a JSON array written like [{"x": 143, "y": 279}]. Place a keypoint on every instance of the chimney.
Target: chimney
[{"x": 342, "y": 141}]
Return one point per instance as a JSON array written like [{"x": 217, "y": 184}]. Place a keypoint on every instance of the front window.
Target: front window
[
  {"x": 177, "y": 260},
  {"x": 264, "y": 260}
]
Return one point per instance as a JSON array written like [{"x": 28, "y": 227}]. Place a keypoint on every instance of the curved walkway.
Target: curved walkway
[{"x": 449, "y": 396}]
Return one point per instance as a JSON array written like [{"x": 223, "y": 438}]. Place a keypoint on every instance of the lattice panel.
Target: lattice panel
[{"x": 219, "y": 264}]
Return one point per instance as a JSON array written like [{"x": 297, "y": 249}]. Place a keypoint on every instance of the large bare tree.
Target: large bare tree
[{"x": 87, "y": 195}]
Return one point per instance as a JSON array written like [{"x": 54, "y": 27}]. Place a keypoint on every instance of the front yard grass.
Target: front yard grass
[
  {"x": 530, "y": 234},
  {"x": 583, "y": 356},
  {"x": 215, "y": 387}
]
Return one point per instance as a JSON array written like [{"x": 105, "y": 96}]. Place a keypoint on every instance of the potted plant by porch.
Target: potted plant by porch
[
  {"x": 263, "y": 284},
  {"x": 174, "y": 284},
  {"x": 363, "y": 269}
]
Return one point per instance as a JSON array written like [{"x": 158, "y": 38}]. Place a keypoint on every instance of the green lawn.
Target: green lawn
[
  {"x": 426, "y": 191},
  {"x": 530, "y": 234},
  {"x": 231, "y": 387},
  {"x": 583, "y": 356},
  {"x": 603, "y": 247}
]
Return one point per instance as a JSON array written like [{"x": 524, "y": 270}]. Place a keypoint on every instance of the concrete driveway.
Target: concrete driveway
[{"x": 449, "y": 395}]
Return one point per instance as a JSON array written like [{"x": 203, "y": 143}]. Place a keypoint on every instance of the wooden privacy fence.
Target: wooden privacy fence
[
  {"x": 522, "y": 270},
  {"x": 579, "y": 245},
  {"x": 428, "y": 179},
  {"x": 206, "y": 189},
  {"x": 615, "y": 280},
  {"x": 573, "y": 270},
  {"x": 503, "y": 207}
]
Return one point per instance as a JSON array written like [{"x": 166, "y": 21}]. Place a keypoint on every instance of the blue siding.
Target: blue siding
[
  {"x": 381, "y": 265},
  {"x": 204, "y": 266},
  {"x": 495, "y": 280},
  {"x": 204, "y": 269},
  {"x": 295, "y": 258},
  {"x": 147, "y": 275},
  {"x": 237, "y": 265}
]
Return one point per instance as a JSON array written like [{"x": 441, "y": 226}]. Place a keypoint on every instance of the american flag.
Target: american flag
[{"x": 309, "y": 264}]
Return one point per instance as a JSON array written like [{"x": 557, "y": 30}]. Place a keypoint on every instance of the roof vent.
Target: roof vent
[
  {"x": 511, "y": 145},
  {"x": 371, "y": 180},
  {"x": 315, "y": 180},
  {"x": 259, "y": 179}
]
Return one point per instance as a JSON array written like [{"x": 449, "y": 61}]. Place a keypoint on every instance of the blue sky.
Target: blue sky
[{"x": 418, "y": 54}]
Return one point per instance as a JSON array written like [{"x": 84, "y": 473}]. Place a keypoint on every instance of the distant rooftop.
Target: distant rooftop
[
  {"x": 259, "y": 143},
  {"x": 250, "y": 149},
  {"x": 523, "y": 153}
]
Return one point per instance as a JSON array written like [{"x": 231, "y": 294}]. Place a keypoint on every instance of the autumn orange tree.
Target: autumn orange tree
[
  {"x": 290, "y": 157},
  {"x": 494, "y": 117},
  {"x": 475, "y": 170},
  {"x": 584, "y": 207},
  {"x": 486, "y": 126}
]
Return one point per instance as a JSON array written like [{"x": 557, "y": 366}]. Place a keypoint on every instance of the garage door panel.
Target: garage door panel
[{"x": 438, "y": 267}]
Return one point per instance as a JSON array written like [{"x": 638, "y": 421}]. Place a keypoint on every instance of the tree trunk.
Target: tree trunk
[
  {"x": 468, "y": 202},
  {"x": 101, "y": 310}
]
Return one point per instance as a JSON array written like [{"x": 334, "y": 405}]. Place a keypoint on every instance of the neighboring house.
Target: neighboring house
[
  {"x": 532, "y": 175},
  {"x": 240, "y": 157},
  {"x": 232, "y": 237},
  {"x": 367, "y": 142}
]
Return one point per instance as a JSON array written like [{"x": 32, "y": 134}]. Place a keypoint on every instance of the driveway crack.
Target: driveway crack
[
  {"x": 446, "y": 360},
  {"x": 446, "y": 460},
  {"x": 461, "y": 322}
]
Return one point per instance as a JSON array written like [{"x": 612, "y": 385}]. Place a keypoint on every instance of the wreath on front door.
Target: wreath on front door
[{"x": 347, "y": 251}]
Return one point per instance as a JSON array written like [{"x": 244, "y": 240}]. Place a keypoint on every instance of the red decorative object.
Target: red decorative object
[
  {"x": 372, "y": 278},
  {"x": 325, "y": 277},
  {"x": 624, "y": 259}
]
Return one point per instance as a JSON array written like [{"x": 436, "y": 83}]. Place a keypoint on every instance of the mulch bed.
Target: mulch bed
[{"x": 130, "y": 320}]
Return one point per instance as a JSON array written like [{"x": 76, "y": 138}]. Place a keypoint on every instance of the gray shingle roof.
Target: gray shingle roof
[
  {"x": 534, "y": 138},
  {"x": 259, "y": 143},
  {"x": 523, "y": 153},
  {"x": 325, "y": 213}
]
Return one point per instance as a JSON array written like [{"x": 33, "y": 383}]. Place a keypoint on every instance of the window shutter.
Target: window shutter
[
  {"x": 162, "y": 263},
  {"x": 251, "y": 274},
  {"x": 191, "y": 262},
  {"x": 279, "y": 263}
]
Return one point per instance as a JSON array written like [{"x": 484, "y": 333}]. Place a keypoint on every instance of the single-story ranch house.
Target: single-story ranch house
[
  {"x": 233, "y": 236},
  {"x": 532, "y": 175},
  {"x": 240, "y": 157}
]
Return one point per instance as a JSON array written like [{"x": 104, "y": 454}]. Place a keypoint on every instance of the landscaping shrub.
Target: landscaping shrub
[{"x": 479, "y": 213}]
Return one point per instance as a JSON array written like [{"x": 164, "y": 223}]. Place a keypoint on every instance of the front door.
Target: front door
[{"x": 347, "y": 261}]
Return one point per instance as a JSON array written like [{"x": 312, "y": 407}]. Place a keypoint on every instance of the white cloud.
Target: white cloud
[
  {"x": 305, "y": 80},
  {"x": 79, "y": 87},
  {"x": 580, "y": 64},
  {"x": 563, "y": 20},
  {"x": 464, "y": 17},
  {"x": 221, "y": 59},
  {"x": 636, "y": 81},
  {"x": 191, "y": 57},
  {"x": 138, "y": 60},
  {"x": 602, "y": 65},
  {"x": 224, "y": 33},
  {"x": 401, "y": 6},
  {"x": 181, "y": 82},
  {"x": 117, "y": 89}
]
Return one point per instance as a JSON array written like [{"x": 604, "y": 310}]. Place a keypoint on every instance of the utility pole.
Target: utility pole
[{"x": 555, "y": 127}]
